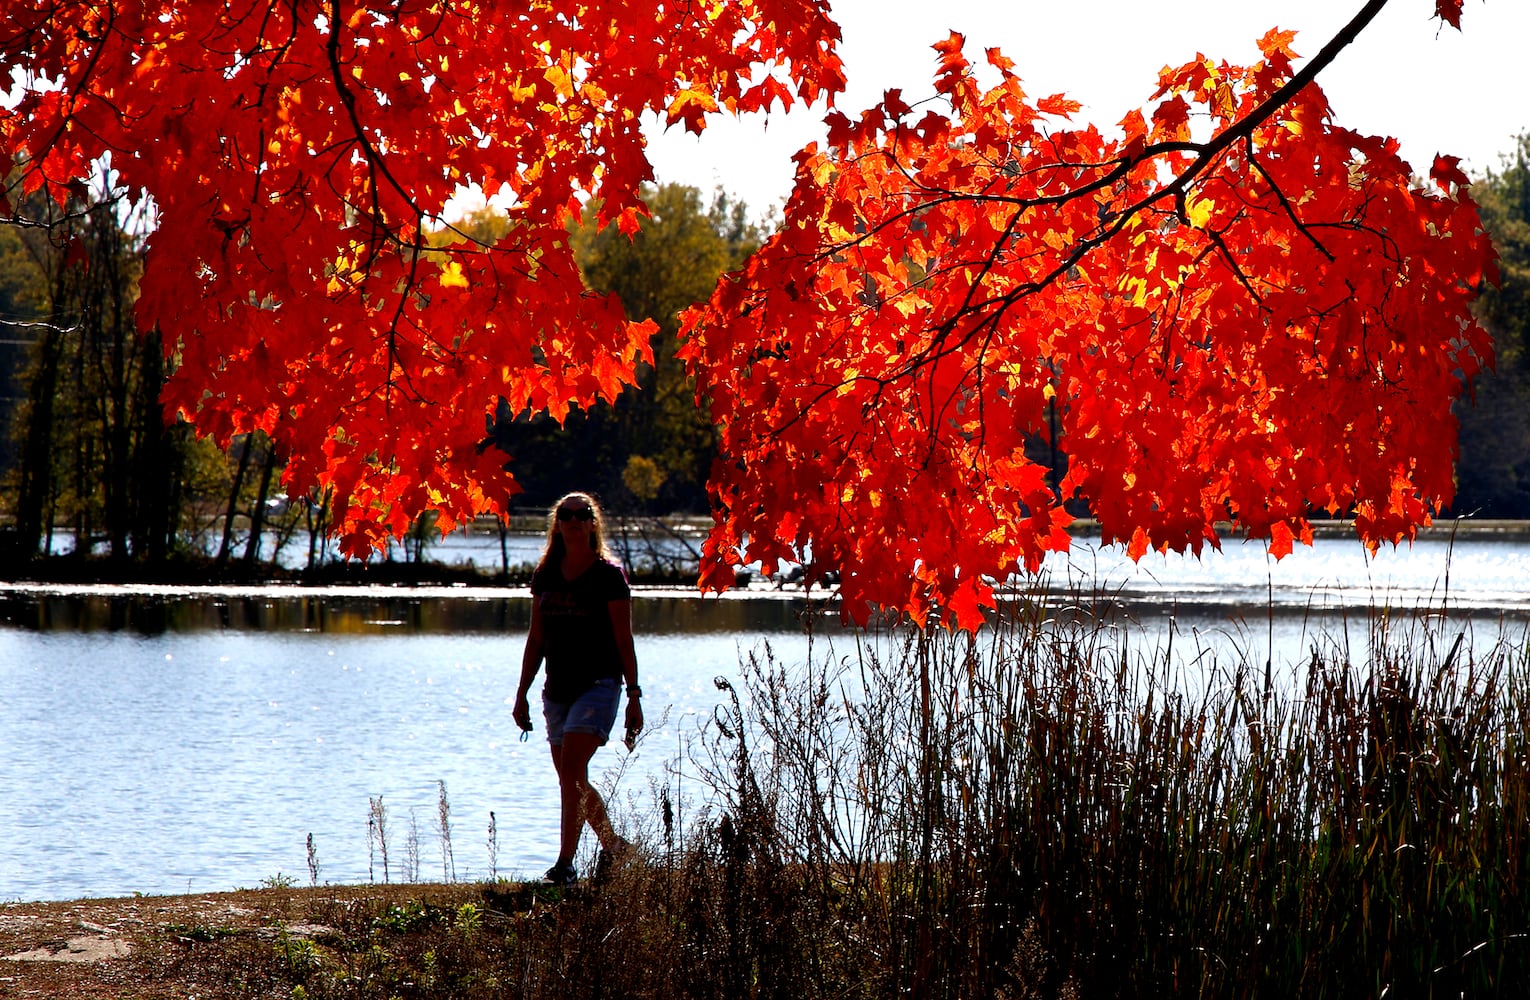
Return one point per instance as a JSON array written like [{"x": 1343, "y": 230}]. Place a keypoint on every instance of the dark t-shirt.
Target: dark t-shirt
[{"x": 577, "y": 638}]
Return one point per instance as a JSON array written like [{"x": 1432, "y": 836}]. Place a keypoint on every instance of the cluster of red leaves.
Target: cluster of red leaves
[
  {"x": 1234, "y": 310},
  {"x": 297, "y": 155},
  {"x": 1227, "y": 323}
]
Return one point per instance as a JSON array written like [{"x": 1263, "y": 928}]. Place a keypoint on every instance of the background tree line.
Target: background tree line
[
  {"x": 1493, "y": 472},
  {"x": 86, "y": 449},
  {"x": 652, "y": 450}
]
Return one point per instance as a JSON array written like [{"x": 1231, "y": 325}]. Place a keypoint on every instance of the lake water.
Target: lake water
[{"x": 164, "y": 741}]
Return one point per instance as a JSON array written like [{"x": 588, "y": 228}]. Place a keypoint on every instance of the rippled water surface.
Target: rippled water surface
[
  {"x": 163, "y": 741},
  {"x": 202, "y": 760}
]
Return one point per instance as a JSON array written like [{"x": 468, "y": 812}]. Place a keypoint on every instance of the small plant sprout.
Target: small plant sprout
[
  {"x": 377, "y": 837},
  {"x": 412, "y": 849}
]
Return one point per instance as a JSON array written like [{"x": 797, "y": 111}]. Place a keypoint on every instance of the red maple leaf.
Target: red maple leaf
[{"x": 1446, "y": 171}]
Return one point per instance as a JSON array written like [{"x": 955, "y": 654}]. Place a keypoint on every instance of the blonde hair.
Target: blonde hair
[{"x": 552, "y": 553}]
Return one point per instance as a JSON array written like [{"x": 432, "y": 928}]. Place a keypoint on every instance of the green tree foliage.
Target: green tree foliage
[
  {"x": 21, "y": 307},
  {"x": 1494, "y": 466},
  {"x": 672, "y": 261},
  {"x": 1504, "y": 197}
]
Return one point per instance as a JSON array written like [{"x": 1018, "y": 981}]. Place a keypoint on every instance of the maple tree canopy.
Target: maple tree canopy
[
  {"x": 297, "y": 155},
  {"x": 1231, "y": 309},
  {"x": 1234, "y": 310}
]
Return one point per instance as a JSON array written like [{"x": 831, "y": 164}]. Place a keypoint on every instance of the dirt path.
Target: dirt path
[{"x": 154, "y": 946}]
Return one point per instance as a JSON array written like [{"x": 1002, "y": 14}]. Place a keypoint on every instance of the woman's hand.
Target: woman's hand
[
  {"x": 634, "y": 720},
  {"x": 531, "y": 659}
]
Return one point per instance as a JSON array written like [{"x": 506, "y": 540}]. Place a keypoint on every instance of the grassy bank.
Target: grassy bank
[{"x": 1042, "y": 813}]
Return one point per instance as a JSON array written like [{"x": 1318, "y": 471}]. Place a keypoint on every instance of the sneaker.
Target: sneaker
[{"x": 560, "y": 874}]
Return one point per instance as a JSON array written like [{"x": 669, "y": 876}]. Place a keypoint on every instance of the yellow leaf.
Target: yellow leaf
[
  {"x": 1198, "y": 211},
  {"x": 1224, "y": 100},
  {"x": 560, "y": 78},
  {"x": 452, "y": 276},
  {"x": 822, "y": 169}
]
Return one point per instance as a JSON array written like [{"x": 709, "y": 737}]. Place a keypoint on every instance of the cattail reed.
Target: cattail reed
[
  {"x": 444, "y": 828},
  {"x": 313, "y": 863}
]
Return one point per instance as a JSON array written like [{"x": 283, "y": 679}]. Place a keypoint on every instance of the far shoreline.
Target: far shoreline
[{"x": 193, "y": 575}]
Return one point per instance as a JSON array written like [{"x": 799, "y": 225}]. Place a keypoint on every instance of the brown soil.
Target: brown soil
[{"x": 154, "y": 947}]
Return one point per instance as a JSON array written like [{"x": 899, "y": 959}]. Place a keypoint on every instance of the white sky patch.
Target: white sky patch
[{"x": 1436, "y": 90}]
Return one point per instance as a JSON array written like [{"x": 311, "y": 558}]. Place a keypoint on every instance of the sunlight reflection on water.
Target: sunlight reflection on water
[
  {"x": 163, "y": 740},
  {"x": 202, "y": 760}
]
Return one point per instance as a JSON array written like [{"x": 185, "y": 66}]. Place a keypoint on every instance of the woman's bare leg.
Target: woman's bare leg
[{"x": 579, "y": 801}]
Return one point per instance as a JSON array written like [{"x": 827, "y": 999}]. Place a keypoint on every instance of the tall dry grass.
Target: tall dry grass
[{"x": 1044, "y": 812}]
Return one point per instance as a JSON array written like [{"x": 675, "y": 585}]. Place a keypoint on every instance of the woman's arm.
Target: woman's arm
[
  {"x": 531, "y": 660},
  {"x": 621, "y": 630}
]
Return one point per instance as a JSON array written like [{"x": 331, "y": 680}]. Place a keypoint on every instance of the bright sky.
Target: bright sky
[{"x": 1462, "y": 93}]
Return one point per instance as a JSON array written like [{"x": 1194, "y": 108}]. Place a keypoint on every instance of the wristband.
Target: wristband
[{"x": 634, "y": 691}]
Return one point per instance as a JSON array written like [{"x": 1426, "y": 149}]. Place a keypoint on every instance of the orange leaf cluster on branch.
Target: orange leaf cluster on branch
[
  {"x": 1233, "y": 311},
  {"x": 298, "y": 154}
]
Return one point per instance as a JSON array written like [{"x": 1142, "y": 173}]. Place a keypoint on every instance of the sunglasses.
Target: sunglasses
[{"x": 575, "y": 514}]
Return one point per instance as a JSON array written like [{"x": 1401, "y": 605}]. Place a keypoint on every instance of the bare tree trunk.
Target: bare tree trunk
[
  {"x": 258, "y": 511},
  {"x": 233, "y": 503},
  {"x": 34, "y": 494},
  {"x": 316, "y": 527},
  {"x": 115, "y": 338},
  {"x": 160, "y": 456}
]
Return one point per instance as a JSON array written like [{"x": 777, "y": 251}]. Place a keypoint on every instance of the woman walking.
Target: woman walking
[{"x": 581, "y": 624}]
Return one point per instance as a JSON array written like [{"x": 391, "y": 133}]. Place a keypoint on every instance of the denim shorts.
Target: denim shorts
[{"x": 592, "y": 712}]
